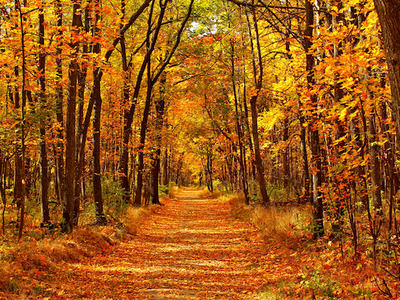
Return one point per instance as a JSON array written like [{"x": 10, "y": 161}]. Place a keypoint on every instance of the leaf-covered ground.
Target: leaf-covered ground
[
  {"x": 195, "y": 248},
  {"x": 188, "y": 249}
]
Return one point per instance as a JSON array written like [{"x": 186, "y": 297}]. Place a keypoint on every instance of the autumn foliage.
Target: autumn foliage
[{"x": 107, "y": 105}]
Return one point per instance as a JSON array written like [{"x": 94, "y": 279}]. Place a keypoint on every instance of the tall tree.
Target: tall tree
[
  {"x": 97, "y": 194},
  {"x": 258, "y": 78},
  {"x": 22, "y": 183},
  {"x": 389, "y": 17},
  {"x": 151, "y": 81},
  {"x": 318, "y": 212},
  {"x": 59, "y": 152},
  {"x": 42, "y": 98},
  {"x": 70, "y": 162}
]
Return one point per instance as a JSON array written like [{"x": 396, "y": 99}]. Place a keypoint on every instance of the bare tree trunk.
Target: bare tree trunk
[
  {"x": 70, "y": 163},
  {"x": 97, "y": 194},
  {"x": 258, "y": 76},
  {"x": 165, "y": 167},
  {"x": 318, "y": 210},
  {"x": 376, "y": 178},
  {"x": 43, "y": 147},
  {"x": 18, "y": 164},
  {"x": 156, "y": 160},
  {"x": 389, "y": 17},
  {"x": 242, "y": 153},
  {"x": 126, "y": 91},
  {"x": 23, "y": 180},
  {"x": 143, "y": 130},
  {"x": 80, "y": 124},
  {"x": 59, "y": 104},
  {"x": 285, "y": 159}
]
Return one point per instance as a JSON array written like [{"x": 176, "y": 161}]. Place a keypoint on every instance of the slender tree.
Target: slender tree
[
  {"x": 151, "y": 81},
  {"x": 70, "y": 162},
  {"x": 258, "y": 77},
  {"x": 97, "y": 194},
  {"x": 316, "y": 162},
  {"x": 43, "y": 147}
]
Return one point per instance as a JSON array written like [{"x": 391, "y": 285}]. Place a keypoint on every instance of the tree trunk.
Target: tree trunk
[
  {"x": 285, "y": 159},
  {"x": 22, "y": 139},
  {"x": 389, "y": 17},
  {"x": 165, "y": 167},
  {"x": 254, "y": 111},
  {"x": 318, "y": 212},
  {"x": 70, "y": 163},
  {"x": 143, "y": 130},
  {"x": 43, "y": 147},
  {"x": 124, "y": 179},
  {"x": 59, "y": 104},
  {"x": 80, "y": 125},
  {"x": 156, "y": 160},
  {"x": 209, "y": 170},
  {"x": 242, "y": 153},
  {"x": 303, "y": 140},
  {"x": 18, "y": 164},
  {"x": 376, "y": 178},
  {"x": 97, "y": 194}
]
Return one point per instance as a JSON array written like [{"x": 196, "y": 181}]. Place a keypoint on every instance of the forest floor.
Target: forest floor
[
  {"x": 192, "y": 248},
  {"x": 189, "y": 249}
]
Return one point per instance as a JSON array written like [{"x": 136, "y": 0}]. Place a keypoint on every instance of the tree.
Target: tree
[
  {"x": 22, "y": 180},
  {"x": 317, "y": 201},
  {"x": 258, "y": 78},
  {"x": 70, "y": 162},
  {"x": 42, "y": 98},
  {"x": 98, "y": 197},
  {"x": 389, "y": 17},
  {"x": 151, "y": 81}
]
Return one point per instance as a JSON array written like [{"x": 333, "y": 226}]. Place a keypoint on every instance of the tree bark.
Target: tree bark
[
  {"x": 70, "y": 163},
  {"x": 258, "y": 77},
  {"x": 165, "y": 167},
  {"x": 242, "y": 153},
  {"x": 22, "y": 138},
  {"x": 143, "y": 130},
  {"x": 59, "y": 106},
  {"x": 18, "y": 164},
  {"x": 80, "y": 125},
  {"x": 318, "y": 210},
  {"x": 376, "y": 178},
  {"x": 156, "y": 160},
  {"x": 126, "y": 91},
  {"x": 97, "y": 194},
  {"x": 43, "y": 147},
  {"x": 389, "y": 17}
]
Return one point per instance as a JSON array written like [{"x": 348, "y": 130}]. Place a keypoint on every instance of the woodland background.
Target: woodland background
[{"x": 107, "y": 104}]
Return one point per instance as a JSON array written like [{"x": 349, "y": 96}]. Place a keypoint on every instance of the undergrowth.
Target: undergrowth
[
  {"x": 327, "y": 268},
  {"x": 40, "y": 256}
]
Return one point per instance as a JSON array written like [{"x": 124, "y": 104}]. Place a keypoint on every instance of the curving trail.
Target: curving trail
[{"x": 189, "y": 249}]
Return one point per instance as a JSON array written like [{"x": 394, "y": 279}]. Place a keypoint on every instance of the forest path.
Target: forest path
[{"x": 190, "y": 248}]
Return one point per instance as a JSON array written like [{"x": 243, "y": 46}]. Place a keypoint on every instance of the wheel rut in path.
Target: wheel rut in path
[{"x": 190, "y": 248}]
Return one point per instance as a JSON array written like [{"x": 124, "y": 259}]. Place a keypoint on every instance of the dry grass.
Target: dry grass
[
  {"x": 280, "y": 223},
  {"x": 133, "y": 216},
  {"x": 174, "y": 191},
  {"x": 39, "y": 254},
  {"x": 205, "y": 193}
]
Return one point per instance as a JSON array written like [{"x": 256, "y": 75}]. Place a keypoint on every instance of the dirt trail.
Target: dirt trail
[{"x": 189, "y": 249}]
